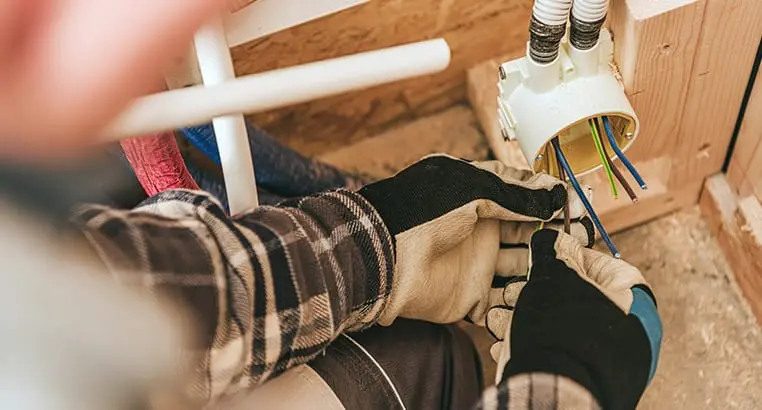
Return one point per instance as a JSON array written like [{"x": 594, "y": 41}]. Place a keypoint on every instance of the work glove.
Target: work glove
[
  {"x": 446, "y": 217},
  {"x": 583, "y": 315}
]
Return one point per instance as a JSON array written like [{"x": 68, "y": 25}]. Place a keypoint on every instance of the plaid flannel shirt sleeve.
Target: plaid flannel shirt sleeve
[
  {"x": 268, "y": 289},
  {"x": 538, "y": 391}
]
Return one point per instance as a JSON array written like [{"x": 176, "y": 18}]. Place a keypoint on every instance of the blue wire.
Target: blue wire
[
  {"x": 620, "y": 154},
  {"x": 583, "y": 197}
]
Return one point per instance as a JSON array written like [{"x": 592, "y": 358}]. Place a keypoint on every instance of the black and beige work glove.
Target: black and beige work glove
[
  {"x": 583, "y": 315},
  {"x": 446, "y": 217}
]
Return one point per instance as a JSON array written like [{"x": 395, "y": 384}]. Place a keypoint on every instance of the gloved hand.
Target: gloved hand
[
  {"x": 583, "y": 315},
  {"x": 446, "y": 216}
]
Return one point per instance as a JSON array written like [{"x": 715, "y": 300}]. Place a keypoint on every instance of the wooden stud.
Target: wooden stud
[
  {"x": 737, "y": 225},
  {"x": 746, "y": 164},
  {"x": 730, "y": 36},
  {"x": 654, "y": 46}
]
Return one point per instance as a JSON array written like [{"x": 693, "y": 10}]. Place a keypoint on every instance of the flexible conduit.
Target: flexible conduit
[
  {"x": 547, "y": 28},
  {"x": 587, "y": 17}
]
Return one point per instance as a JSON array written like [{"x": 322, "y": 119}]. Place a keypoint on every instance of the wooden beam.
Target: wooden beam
[
  {"x": 729, "y": 39},
  {"x": 654, "y": 46},
  {"x": 745, "y": 167},
  {"x": 737, "y": 225}
]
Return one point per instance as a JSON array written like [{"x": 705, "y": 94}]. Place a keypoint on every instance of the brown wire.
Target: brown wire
[
  {"x": 562, "y": 177},
  {"x": 614, "y": 169}
]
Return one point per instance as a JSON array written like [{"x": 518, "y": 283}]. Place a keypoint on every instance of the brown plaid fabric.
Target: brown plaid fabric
[
  {"x": 538, "y": 391},
  {"x": 272, "y": 288},
  {"x": 268, "y": 289}
]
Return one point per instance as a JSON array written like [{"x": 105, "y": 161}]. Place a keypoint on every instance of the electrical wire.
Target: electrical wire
[
  {"x": 599, "y": 147},
  {"x": 617, "y": 173},
  {"x": 567, "y": 213},
  {"x": 620, "y": 154},
  {"x": 583, "y": 198}
]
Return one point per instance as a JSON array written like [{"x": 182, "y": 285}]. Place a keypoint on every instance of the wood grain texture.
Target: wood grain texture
[
  {"x": 454, "y": 131},
  {"x": 745, "y": 169},
  {"x": 655, "y": 44},
  {"x": 737, "y": 225},
  {"x": 729, "y": 39},
  {"x": 475, "y": 29}
]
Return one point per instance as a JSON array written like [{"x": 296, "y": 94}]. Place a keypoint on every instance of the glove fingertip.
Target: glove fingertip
[
  {"x": 543, "y": 246},
  {"x": 558, "y": 197},
  {"x": 587, "y": 223}
]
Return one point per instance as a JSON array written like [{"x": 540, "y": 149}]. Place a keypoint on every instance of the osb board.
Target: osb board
[
  {"x": 475, "y": 30},
  {"x": 737, "y": 225}
]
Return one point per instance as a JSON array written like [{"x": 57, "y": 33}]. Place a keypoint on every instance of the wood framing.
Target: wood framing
[
  {"x": 745, "y": 169},
  {"x": 730, "y": 35},
  {"x": 736, "y": 223},
  {"x": 672, "y": 56},
  {"x": 731, "y": 203},
  {"x": 475, "y": 29}
]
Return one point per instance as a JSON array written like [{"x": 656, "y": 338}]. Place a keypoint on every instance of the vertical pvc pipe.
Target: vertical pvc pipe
[{"x": 216, "y": 67}]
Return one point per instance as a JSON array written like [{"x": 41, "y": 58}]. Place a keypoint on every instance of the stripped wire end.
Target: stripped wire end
[{"x": 612, "y": 141}]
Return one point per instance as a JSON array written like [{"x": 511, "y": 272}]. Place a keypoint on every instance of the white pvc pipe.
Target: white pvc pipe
[
  {"x": 551, "y": 12},
  {"x": 279, "y": 88},
  {"x": 216, "y": 67},
  {"x": 590, "y": 11}
]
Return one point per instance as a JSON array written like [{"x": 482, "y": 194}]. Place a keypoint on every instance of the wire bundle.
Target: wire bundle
[{"x": 612, "y": 172}]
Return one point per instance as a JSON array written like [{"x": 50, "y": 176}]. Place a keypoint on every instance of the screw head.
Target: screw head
[
  {"x": 629, "y": 135},
  {"x": 539, "y": 157}
]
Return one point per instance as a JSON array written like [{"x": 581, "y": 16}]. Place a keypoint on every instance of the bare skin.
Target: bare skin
[{"x": 68, "y": 66}]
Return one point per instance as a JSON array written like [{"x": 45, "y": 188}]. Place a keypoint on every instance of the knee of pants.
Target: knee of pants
[{"x": 408, "y": 365}]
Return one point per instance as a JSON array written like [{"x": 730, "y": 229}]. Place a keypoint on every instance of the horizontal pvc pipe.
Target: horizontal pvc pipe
[
  {"x": 279, "y": 88},
  {"x": 216, "y": 66}
]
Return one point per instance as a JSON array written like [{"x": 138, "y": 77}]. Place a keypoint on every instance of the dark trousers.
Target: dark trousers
[{"x": 411, "y": 364}]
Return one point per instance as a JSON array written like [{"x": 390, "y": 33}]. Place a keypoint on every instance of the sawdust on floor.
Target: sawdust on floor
[{"x": 711, "y": 356}]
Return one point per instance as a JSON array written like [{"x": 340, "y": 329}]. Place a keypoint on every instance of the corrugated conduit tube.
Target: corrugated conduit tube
[
  {"x": 547, "y": 28},
  {"x": 587, "y": 17}
]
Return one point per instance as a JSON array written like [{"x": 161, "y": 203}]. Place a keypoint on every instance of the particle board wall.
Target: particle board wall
[{"x": 475, "y": 29}]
